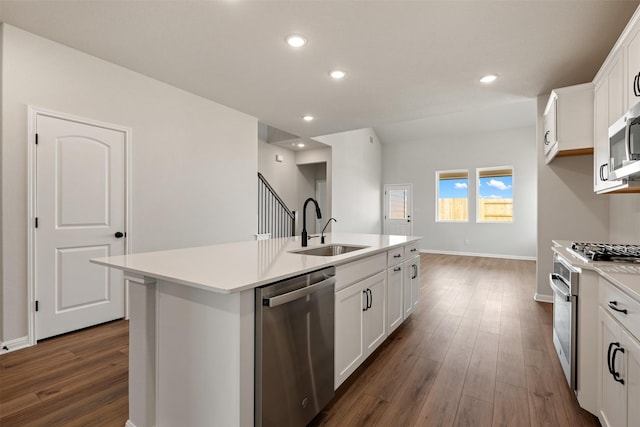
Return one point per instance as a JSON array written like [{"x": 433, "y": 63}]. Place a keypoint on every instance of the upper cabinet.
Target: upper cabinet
[
  {"x": 568, "y": 119},
  {"x": 632, "y": 54},
  {"x": 616, "y": 90}
]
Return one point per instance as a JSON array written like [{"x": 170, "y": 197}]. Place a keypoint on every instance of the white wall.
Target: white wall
[
  {"x": 568, "y": 209},
  {"x": 356, "y": 189},
  {"x": 417, "y": 162},
  {"x": 194, "y": 161},
  {"x": 282, "y": 176}
]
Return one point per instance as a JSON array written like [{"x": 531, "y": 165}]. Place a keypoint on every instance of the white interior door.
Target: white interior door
[
  {"x": 80, "y": 208},
  {"x": 398, "y": 209}
]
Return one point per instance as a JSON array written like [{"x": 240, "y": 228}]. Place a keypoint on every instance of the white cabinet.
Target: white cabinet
[
  {"x": 395, "y": 288},
  {"x": 632, "y": 53},
  {"x": 395, "y": 305},
  {"x": 619, "y": 364},
  {"x": 568, "y": 122},
  {"x": 360, "y": 323},
  {"x": 411, "y": 284}
]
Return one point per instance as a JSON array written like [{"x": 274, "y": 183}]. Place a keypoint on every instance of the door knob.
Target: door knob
[{"x": 119, "y": 234}]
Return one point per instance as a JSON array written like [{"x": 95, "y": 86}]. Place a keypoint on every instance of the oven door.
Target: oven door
[{"x": 564, "y": 327}]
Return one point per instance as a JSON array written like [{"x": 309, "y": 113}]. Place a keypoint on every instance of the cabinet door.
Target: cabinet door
[
  {"x": 411, "y": 285},
  {"x": 549, "y": 124},
  {"x": 633, "y": 69},
  {"x": 632, "y": 378},
  {"x": 394, "y": 297},
  {"x": 349, "y": 317},
  {"x": 613, "y": 394},
  {"x": 617, "y": 91},
  {"x": 375, "y": 318}
]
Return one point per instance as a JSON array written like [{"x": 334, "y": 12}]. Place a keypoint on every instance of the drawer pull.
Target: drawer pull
[
  {"x": 397, "y": 256},
  {"x": 413, "y": 250},
  {"x": 397, "y": 269},
  {"x": 613, "y": 306}
]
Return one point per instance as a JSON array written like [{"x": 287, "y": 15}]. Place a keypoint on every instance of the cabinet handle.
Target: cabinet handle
[
  {"x": 397, "y": 256},
  {"x": 415, "y": 271},
  {"x": 636, "y": 85},
  {"x": 397, "y": 269},
  {"x": 370, "y": 299},
  {"x": 602, "y": 177},
  {"x": 366, "y": 302},
  {"x": 609, "y": 357},
  {"x": 546, "y": 139},
  {"x": 414, "y": 249},
  {"x": 613, "y": 305},
  {"x": 616, "y": 374}
]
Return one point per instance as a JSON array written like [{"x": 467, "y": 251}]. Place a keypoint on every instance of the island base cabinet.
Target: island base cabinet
[
  {"x": 633, "y": 379},
  {"x": 360, "y": 326},
  {"x": 395, "y": 307},
  {"x": 411, "y": 285}
]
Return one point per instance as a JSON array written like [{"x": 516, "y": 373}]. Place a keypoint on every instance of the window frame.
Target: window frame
[
  {"x": 437, "y": 198},
  {"x": 478, "y": 198}
]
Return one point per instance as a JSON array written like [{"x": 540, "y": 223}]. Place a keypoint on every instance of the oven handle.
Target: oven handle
[{"x": 552, "y": 278}]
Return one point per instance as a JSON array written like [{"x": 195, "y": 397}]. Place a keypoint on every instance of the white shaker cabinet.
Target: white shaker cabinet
[
  {"x": 619, "y": 365},
  {"x": 568, "y": 122},
  {"x": 632, "y": 53},
  {"x": 394, "y": 297},
  {"x": 360, "y": 323},
  {"x": 411, "y": 283}
]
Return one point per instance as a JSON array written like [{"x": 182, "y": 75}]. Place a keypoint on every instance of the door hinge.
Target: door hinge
[
  {"x": 36, "y": 139},
  {"x": 36, "y": 221},
  {"x": 37, "y": 305}
]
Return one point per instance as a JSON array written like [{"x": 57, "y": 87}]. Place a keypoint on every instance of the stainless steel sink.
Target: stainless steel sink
[{"x": 329, "y": 250}]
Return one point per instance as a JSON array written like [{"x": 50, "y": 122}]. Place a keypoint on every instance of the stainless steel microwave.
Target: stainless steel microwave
[{"x": 624, "y": 146}]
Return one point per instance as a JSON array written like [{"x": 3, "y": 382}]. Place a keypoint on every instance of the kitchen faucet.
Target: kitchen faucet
[
  {"x": 325, "y": 227},
  {"x": 305, "y": 237}
]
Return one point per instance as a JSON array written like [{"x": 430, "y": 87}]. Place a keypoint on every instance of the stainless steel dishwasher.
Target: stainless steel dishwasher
[{"x": 294, "y": 349}]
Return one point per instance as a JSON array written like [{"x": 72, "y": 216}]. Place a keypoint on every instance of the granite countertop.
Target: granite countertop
[
  {"x": 235, "y": 267},
  {"x": 624, "y": 276}
]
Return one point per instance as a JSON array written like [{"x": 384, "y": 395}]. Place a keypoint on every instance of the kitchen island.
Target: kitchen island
[{"x": 191, "y": 333}]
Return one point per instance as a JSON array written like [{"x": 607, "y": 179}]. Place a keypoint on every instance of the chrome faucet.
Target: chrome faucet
[
  {"x": 305, "y": 237},
  {"x": 325, "y": 227}
]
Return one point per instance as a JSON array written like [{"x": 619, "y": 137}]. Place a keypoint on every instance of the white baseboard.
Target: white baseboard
[
  {"x": 543, "y": 298},
  {"x": 518, "y": 257},
  {"x": 14, "y": 344},
  {"x": 129, "y": 423}
]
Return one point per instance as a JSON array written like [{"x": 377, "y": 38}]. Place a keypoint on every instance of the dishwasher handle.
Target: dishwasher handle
[{"x": 298, "y": 293}]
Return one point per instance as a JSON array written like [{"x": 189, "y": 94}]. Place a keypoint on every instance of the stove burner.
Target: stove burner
[{"x": 608, "y": 252}]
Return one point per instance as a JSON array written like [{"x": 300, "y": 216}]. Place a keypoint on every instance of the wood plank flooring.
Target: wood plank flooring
[{"x": 477, "y": 352}]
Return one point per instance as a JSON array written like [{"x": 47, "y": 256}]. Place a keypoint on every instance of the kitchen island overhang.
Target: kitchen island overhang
[{"x": 191, "y": 355}]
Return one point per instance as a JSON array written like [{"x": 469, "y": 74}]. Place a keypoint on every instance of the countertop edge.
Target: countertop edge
[{"x": 328, "y": 262}]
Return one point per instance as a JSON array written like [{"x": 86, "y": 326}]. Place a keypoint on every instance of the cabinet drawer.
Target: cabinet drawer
[
  {"x": 395, "y": 256},
  {"x": 358, "y": 270},
  {"x": 411, "y": 250},
  {"x": 616, "y": 302}
]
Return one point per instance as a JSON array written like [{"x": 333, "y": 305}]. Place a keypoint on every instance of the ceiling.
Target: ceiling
[{"x": 407, "y": 61}]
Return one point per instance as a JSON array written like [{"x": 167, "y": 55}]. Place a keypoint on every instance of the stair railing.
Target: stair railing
[{"x": 274, "y": 216}]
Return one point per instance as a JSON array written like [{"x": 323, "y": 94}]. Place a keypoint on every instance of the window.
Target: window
[
  {"x": 453, "y": 196},
  {"x": 495, "y": 194}
]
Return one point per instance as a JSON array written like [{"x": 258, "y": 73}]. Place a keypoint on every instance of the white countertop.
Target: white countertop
[
  {"x": 235, "y": 267},
  {"x": 624, "y": 276}
]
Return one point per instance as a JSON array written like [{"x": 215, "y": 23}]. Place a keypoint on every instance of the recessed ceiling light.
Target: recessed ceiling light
[
  {"x": 300, "y": 145},
  {"x": 489, "y": 78},
  {"x": 337, "y": 74},
  {"x": 296, "y": 40},
  {"x": 307, "y": 118}
]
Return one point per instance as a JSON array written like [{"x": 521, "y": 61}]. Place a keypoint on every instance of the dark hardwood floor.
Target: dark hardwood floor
[{"x": 477, "y": 352}]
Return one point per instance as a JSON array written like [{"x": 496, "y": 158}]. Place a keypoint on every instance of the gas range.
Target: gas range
[{"x": 595, "y": 252}]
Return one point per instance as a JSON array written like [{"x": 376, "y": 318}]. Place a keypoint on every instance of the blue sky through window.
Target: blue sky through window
[
  {"x": 453, "y": 188},
  {"x": 496, "y": 187}
]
